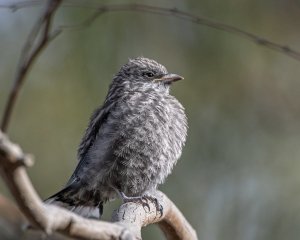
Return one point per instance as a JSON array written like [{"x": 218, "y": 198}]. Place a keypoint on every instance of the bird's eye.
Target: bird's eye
[{"x": 148, "y": 74}]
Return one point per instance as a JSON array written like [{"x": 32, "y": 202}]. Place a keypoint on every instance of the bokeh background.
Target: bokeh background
[{"x": 238, "y": 177}]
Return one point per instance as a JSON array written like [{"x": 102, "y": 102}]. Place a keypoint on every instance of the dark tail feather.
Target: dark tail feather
[
  {"x": 59, "y": 195},
  {"x": 66, "y": 199}
]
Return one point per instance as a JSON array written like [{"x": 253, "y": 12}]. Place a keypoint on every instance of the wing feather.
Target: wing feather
[{"x": 92, "y": 131}]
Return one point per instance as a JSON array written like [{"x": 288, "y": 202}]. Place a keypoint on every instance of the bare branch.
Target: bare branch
[
  {"x": 173, "y": 12},
  {"x": 29, "y": 54},
  {"x": 43, "y": 25},
  {"x": 22, "y": 4},
  {"x": 172, "y": 222},
  {"x": 186, "y": 16},
  {"x": 129, "y": 218}
]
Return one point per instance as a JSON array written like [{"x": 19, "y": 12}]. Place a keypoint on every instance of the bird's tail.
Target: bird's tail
[{"x": 66, "y": 199}]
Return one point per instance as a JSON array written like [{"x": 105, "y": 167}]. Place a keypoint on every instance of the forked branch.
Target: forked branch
[{"x": 128, "y": 219}]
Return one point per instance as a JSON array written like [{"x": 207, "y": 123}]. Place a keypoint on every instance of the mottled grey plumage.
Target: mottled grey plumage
[{"x": 131, "y": 143}]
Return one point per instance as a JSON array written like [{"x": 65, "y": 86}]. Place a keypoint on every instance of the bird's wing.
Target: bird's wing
[{"x": 97, "y": 119}]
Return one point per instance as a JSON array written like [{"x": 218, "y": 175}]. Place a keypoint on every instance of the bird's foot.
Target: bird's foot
[
  {"x": 139, "y": 199},
  {"x": 158, "y": 206},
  {"x": 144, "y": 200},
  {"x": 126, "y": 199}
]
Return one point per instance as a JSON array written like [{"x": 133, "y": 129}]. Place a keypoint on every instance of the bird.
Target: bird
[{"x": 132, "y": 141}]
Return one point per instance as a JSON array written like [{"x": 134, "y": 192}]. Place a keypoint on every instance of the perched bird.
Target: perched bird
[{"x": 131, "y": 143}]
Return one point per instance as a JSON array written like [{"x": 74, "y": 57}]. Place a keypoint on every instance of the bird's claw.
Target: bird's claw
[
  {"x": 144, "y": 201},
  {"x": 158, "y": 206},
  {"x": 140, "y": 199}
]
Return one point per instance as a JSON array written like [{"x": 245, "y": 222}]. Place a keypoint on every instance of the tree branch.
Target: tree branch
[
  {"x": 173, "y": 12},
  {"x": 185, "y": 16},
  {"x": 129, "y": 218},
  {"x": 29, "y": 54},
  {"x": 43, "y": 25}
]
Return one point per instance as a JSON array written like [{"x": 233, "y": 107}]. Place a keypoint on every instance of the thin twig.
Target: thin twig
[
  {"x": 22, "y": 4},
  {"x": 173, "y": 12},
  {"x": 186, "y": 16},
  {"x": 29, "y": 54}
]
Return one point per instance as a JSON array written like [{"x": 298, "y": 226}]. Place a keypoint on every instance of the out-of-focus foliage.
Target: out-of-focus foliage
[{"x": 238, "y": 177}]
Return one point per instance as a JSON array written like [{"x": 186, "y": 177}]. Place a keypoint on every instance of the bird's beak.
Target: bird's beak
[{"x": 169, "y": 78}]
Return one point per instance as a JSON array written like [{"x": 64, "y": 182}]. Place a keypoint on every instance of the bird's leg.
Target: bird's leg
[
  {"x": 142, "y": 200},
  {"x": 126, "y": 199},
  {"x": 138, "y": 199}
]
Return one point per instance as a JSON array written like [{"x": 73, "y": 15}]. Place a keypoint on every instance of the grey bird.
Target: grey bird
[{"x": 131, "y": 143}]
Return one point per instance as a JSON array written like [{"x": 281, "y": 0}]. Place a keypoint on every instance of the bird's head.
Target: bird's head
[{"x": 143, "y": 73}]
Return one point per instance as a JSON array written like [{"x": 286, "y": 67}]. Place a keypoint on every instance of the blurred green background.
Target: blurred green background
[{"x": 238, "y": 177}]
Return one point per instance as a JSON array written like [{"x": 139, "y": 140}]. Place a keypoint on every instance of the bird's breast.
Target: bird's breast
[
  {"x": 139, "y": 143},
  {"x": 151, "y": 133}
]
